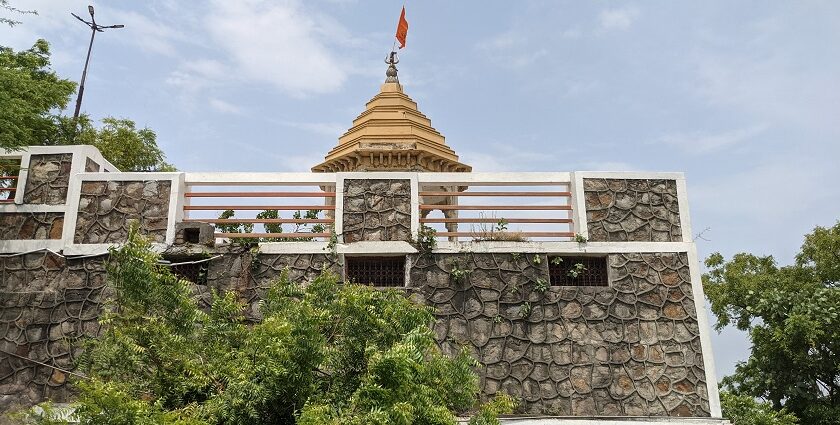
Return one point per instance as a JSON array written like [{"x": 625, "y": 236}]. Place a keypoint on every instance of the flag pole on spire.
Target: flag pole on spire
[{"x": 391, "y": 59}]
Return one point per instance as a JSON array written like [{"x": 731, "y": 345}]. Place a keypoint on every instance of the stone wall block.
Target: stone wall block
[
  {"x": 107, "y": 208},
  {"x": 31, "y": 226},
  {"x": 377, "y": 210},
  {"x": 621, "y": 210},
  {"x": 48, "y": 179}
]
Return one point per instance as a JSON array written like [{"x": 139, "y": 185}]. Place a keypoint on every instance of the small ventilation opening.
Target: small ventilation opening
[
  {"x": 376, "y": 271},
  {"x": 191, "y": 235},
  {"x": 193, "y": 272},
  {"x": 577, "y": 271}
]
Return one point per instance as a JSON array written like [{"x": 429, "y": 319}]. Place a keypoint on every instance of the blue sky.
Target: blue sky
[{"x": 744, "y": 97}]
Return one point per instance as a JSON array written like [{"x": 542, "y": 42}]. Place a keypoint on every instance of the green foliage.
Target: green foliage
[
  {"x": 525, "y": 310},
  {"x": 580, "y": 238},
  {"x": 323, "y": 353},
  {"x": 426, "y": 240},
  {"x": 576, "y": 270},
  {"x": 457, "y": 273},
  {"x": 489, "y": 413},
  {"x": 270, "y": 227},
  {"x": 745, "y": 410},
  {"x": 235, "y": 228},
  {"x": 557, "y": 261},
  {"x": 120, "y": 141},
  {"x": 792, "y": 314},
  {"x": 541, "y": 285},
  {"x": 30, "y": 93}
]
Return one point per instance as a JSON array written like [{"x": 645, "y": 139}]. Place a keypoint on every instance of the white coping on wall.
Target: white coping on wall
[
  {"x": 498, "y": 179},
  {"x": 258, "y": 179},
  {"x": 705, "y": 332},
  {"x": 570, "y": 247},
  {"x": 609, "y": 421},
  {"x": 578, "y": 202}
]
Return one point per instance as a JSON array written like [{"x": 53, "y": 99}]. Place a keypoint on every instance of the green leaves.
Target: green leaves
[
  {"x": 30, "y": 95},
  {"x": 323, "y": 353},
  {"x": 792, "y": 314}
]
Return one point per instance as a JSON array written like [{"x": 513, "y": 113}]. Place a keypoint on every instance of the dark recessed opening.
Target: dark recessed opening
[
  {"x": 193, "y": 272},
  {"x": 376, "y": 271},
  {"x": 191, "y": 235},
  {"x": 577, "y": 271}
]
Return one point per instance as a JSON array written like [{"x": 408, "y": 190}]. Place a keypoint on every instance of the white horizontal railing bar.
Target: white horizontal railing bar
[
  {"x": 258, "y": 179},
  {"x": 495, "y": 179}
]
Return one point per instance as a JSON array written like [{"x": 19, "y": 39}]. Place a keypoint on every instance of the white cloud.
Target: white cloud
[
  {"x": 617, "y": 19},
  {"x": 511, "y": 50},
  {"x": 225, "y": 107},
  {"x": 278, "y": 43},
  {"x": 696, "y": 143},
  {"x": 147, "y": 34}
]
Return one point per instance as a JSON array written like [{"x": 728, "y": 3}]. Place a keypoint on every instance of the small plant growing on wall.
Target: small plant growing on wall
[
  {"x": 541, "y": 285},
  {"x": 525, "y": 310},
  {"x": 580, "y": 238},
  {"x": 576, "y": 270},
  {"x": 457, "y": 273},
  {"x": 426, "y": 239}
]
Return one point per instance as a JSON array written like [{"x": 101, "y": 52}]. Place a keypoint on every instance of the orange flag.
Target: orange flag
[{"x": 402, "y": 29}]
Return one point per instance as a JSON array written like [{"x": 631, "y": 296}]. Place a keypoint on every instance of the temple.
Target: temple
[
  {"x": 391, "y": 135},
  {"x": 578, "y": 292}
]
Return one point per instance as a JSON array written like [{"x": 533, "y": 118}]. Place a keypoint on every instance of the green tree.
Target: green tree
[
  {"x": 120, "y": 141},
  {"x": 792, "y": 314},
  {"x": 746, "y": 410},
  {"x": 30, "y": 93},
  {"x": 323, "y": 353}
]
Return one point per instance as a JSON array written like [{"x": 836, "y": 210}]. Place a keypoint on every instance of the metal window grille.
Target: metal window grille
[
  {"x": 577, "y": 271},
  {"x": 195, "y": 272},
  {"x": 376, "y": 271}
]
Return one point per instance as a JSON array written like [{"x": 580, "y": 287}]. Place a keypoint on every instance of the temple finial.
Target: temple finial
[{"x": 391, "y": 73}]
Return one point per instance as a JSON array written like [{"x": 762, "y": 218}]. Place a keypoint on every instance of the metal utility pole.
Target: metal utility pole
[{"x": 94, "y": 28}]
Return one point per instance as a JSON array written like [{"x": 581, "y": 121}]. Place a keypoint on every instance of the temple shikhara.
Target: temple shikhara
[{"x": 578, "y": 292}]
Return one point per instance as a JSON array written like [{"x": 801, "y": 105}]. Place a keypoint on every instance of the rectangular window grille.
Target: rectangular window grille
[
  {"x": 193, "y": 272},
  {"x": 376, "y": 271},
  {"x": 577, "y": 271}
]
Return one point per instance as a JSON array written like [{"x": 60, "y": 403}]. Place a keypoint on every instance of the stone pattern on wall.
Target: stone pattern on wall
[
  {"x": 251, "y": 276},
  {"x": 47, "y": 302},
  {"x": 630, "y": 349},
  {"x": 377, "y": 210},
  {"x": 48, "y": 179},
  {"x": 637, "y": 210},
  {"x": 91, "y": 166},
  {"x": 30, "y": 226},
  {"x": 107, "y": 207}
]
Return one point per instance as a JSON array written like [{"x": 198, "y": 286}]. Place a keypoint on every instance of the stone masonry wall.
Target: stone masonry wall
[
  {"x": 630, "y": 349},
  {"x": 28, "y": 226},
  {"x": 105, "y": 209},
  {"x": 632, "y": 210},
  {"x": 377, "y": 210},
  {"x": 47, "y": 302},
  {"x": 48, "y": 179}
]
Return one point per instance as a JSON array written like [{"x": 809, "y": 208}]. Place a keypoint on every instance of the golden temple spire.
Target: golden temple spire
[{"x": 391, "y": 135}]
